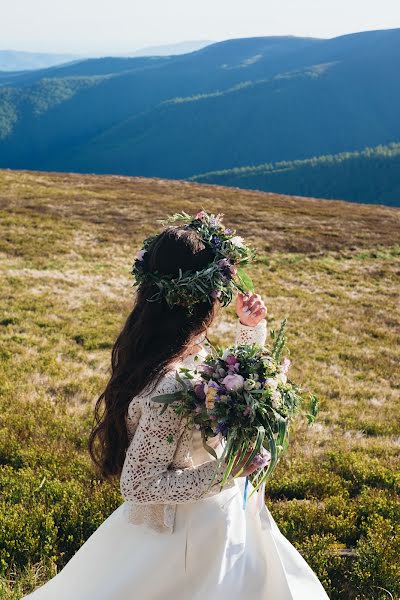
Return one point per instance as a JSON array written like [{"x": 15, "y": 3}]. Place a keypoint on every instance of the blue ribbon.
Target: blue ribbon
[{"x": 245, "y": 492}]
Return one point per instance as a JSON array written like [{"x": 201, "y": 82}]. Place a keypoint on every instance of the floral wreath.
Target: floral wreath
[{"x": 219, "y": 279}]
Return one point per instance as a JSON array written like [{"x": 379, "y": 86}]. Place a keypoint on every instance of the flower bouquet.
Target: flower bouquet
[{"x": 242, "y": 393}]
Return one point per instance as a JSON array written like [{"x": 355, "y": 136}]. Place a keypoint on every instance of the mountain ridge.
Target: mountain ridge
[{"x": 232, "y": 103}]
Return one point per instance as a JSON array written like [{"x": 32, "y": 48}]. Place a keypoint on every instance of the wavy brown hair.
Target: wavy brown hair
[{"x": 153, "y": 336}]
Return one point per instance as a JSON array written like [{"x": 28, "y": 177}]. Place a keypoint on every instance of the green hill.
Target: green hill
[
  {"x": 371, "y": 176},
  {"x": 239, "y": 102},
  {"x": 67, "y": 242}
]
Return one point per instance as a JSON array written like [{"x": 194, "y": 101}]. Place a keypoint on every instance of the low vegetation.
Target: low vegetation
[{"x": 67, "y": 243}]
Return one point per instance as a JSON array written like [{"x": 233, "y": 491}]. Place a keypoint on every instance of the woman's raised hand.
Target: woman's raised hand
[{"x": 250, "y": 309}]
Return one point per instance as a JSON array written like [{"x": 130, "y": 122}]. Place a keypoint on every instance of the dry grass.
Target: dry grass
[{"x": 66, "y": 246}]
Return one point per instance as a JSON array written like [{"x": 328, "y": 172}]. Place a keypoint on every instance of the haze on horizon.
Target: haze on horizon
[{"x": 121, "y": 26}]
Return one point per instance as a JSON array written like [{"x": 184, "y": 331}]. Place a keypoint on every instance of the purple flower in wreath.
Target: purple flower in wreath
[
  {"x": 140, "y": 255},
  {"x": 227, "y": 268},
  {"x": 216, "y": 241},
  {"x": 216, "y": 293}
]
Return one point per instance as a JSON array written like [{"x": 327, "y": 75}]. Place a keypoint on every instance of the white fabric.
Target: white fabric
[{"x": 217, "y": 550}]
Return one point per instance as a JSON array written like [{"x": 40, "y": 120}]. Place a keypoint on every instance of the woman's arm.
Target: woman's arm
[
  {"x": 146, "y": 476},
  {"x": 251, "y": 328}
]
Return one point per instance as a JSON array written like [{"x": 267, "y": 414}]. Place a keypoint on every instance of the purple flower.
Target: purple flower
[
  {"x": 216, "y": 242},
  {"x": 261, "y": 459},
  {"x": 226, "y": 267},
  {"x": 207, "y": 369},
  {"x": 140, "y": 254},
  {"x": 212, "y": 383},
  {"x": 222, "y": 428},
  {"x": 233, "y": 382},
  {"x": 228, "y": 231},
  {"x": 199, "y": 391},
  {"x": 247, "y": 411},
  {"x": 216, "y": 293},
  {"x": 231, "y": 359}
]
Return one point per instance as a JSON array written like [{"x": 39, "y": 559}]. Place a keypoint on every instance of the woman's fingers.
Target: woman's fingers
[
  {"x": 250, "y": 308},
  {"x": 240, "y": 300}
]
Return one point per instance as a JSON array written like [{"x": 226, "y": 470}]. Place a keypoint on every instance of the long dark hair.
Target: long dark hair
[{"x": 153, "y": 336}]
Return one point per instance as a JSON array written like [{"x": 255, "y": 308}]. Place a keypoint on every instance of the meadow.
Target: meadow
[{"x": 332, "y": 268}]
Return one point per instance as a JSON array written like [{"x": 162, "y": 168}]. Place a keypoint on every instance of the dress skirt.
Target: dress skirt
[{"x": 218, "y": 551}]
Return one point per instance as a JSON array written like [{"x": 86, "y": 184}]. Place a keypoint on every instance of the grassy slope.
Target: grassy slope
[{"x": 67, "y": 243}]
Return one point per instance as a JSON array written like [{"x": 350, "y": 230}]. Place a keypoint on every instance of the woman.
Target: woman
[{"x": 177, "y": 536}]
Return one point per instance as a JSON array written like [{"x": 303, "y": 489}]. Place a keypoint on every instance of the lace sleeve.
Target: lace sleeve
[
  {"x": 147, "y": 476},
  {"x": 251, "y": 335}
]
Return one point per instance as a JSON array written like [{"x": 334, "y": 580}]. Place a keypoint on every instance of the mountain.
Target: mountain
[
  {"x": 370, "y": 176},
  {"x": 15, "y": 60},
  {"x": 238, "y": 102},
  {"x": 171, "y": 49}
]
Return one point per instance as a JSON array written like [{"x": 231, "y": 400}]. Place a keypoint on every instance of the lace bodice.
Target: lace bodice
[{"x": 165, "y": 462}]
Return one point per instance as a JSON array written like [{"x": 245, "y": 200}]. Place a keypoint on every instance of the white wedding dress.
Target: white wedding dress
[{"x": 217, "y": 550}]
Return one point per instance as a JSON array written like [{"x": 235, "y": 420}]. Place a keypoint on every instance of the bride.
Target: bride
[{"x": 176, "y": 536}]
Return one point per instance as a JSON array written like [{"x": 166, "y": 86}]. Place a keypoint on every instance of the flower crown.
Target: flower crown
[{"x": 219, "y": 279}]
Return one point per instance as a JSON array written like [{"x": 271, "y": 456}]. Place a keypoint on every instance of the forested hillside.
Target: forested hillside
[
  {"x": 372, "y": 176},
  {"x": 231, "y": 104}
]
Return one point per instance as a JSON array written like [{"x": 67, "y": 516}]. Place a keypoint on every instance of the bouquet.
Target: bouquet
[{"x": 243, "y": 394}]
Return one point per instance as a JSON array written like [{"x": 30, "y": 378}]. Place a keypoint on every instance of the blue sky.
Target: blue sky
[{"x": 104, "y": 26}]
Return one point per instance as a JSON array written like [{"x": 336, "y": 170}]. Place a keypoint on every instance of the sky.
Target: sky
[{"x": 92, "y": 27}]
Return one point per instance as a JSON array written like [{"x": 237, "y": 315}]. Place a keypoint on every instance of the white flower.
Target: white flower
[
  {"x": 271, "y": 383},
  {"x": 281, "y": 378},
  {"x": 285, "y": 365},
  {"x": 226, "y": 353},
  {"x": 276, "y": 399},
  {"x": 237, "y": 240},
  {"x": 249, "y": 384}
]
